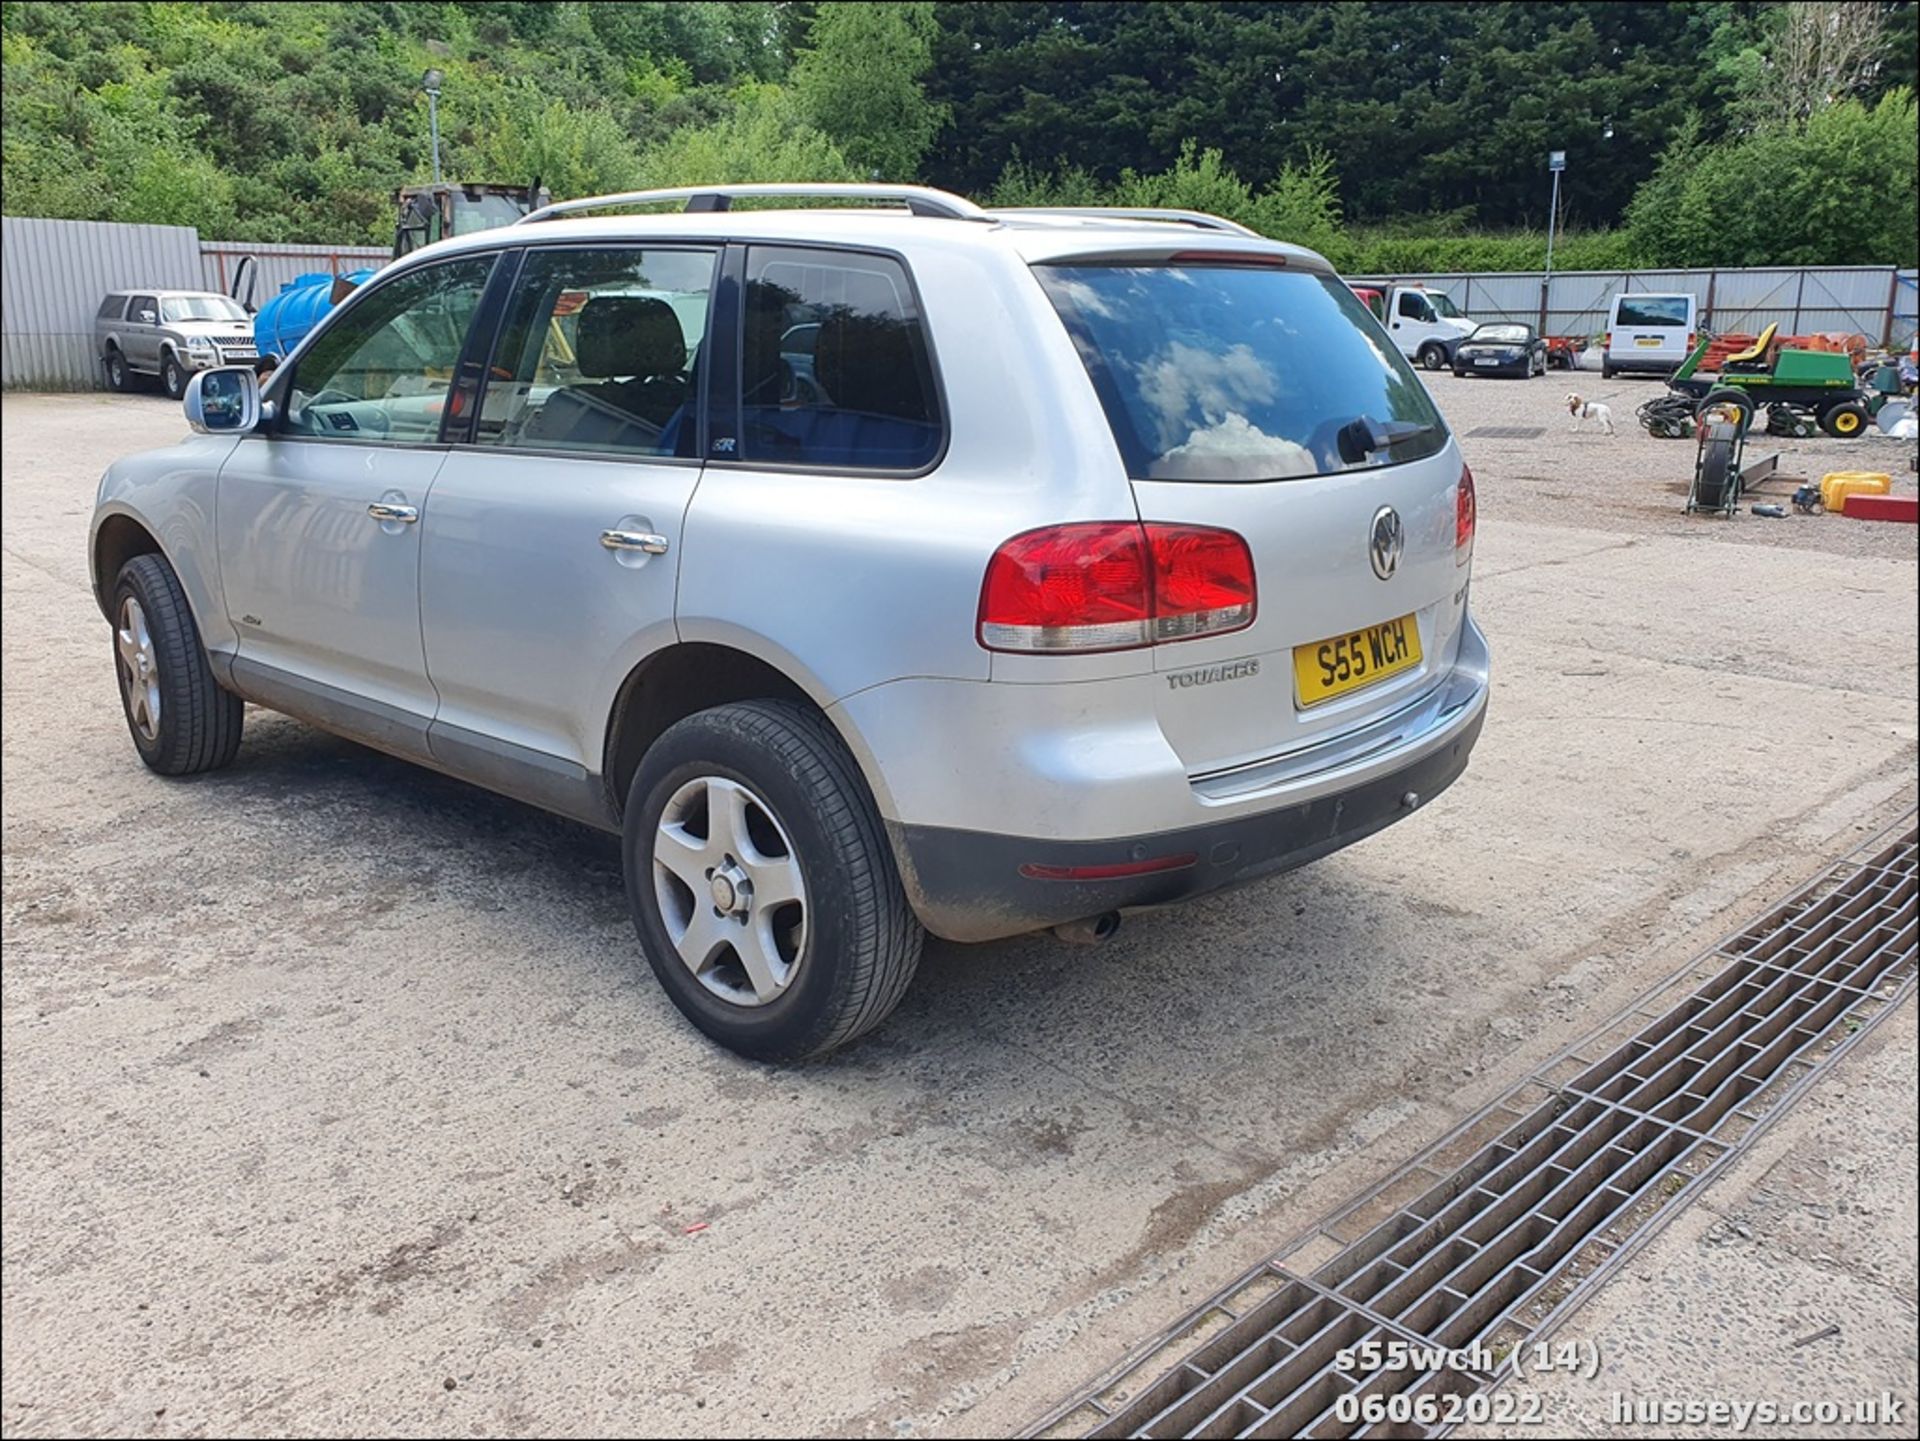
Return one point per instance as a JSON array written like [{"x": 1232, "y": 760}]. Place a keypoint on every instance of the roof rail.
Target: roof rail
[
  {"x": 1200, "y": 220},
  {"x": 918, "y": 199}
]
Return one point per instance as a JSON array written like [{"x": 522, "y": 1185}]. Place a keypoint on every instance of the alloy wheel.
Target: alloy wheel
[
  {"x": 730, "y": 890},
  {"x": 139, "y": 669}
]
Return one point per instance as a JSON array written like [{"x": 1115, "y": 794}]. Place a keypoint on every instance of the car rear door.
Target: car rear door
[
  {"x": 1250, "y": 398},
  {"x": 1651, "y": 331},
  {"x": 319, "y": 511},
  {"x": 552, "y": 545}
]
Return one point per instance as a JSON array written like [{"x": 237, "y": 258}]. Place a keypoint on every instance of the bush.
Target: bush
[
  {"x": 1835, "y": 189},
  {"x": 762, "y": 139}
]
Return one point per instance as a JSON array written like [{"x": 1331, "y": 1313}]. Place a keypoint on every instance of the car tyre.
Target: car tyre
[
  {"x": 119, "y": 376},
  {"x": 751, "y": 800},
  {"x": 1607, "y": 371},
  {"x": 180, "y": 719},
  {"x": 173, "y": 376},
  {"x": 1433, "y": 355}
]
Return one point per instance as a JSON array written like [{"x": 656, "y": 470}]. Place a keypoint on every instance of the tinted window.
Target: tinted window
[
  {"x": 834, "y": 364},
  {"x": 143, "y": 310},
  {"x": 1670, "y": 310},
  {"x": 112, "y": 308},
  {"x": 1227, "y": 373},
  {"x": 1414, "y": 306},
  {"x": 599, "y": 352},
  {"x": 380, "y": 371}
]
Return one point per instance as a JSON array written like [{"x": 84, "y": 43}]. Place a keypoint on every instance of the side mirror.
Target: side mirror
[
  {"x": 225, "y": 401},
  {"x": 147, "y": 317}
]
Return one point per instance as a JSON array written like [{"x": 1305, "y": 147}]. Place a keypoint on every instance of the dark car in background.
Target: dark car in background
[{"x": 1502, "y": 347}]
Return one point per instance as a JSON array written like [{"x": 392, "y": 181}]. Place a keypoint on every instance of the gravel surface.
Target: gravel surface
[
  {"x": 337, "y": 1099},
  {"x": 1628, "y": 481}
]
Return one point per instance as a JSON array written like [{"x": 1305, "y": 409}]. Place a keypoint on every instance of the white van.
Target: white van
[{"x": 1648, "y": 333}]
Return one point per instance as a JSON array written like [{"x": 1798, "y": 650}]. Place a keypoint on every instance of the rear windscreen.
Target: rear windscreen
[
  {"x": 1652, "y": 310},
  {"x": 1216, "y": 372}
]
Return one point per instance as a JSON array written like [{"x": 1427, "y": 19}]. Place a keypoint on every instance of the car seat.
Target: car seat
[
  {"x": 634, "y": 347},
  {"x": 872, "y": 408}
]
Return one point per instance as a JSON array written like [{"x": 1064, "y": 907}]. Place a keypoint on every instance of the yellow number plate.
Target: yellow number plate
[
  {"x": 1342, "y": 663},
  {"x": 1646, "y": 340}
]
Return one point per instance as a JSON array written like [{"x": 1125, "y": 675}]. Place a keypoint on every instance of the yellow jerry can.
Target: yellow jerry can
[{"x": 1838, "y": 485}]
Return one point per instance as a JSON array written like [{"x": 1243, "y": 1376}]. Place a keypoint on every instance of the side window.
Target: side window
[
  {"x": 835, "y": 369},
  {"x": 112, "y": 308},
  {"x": 1413, "y": 306},
  {"x": 144, "y": 310},
  {"x": 381, "y": 371},
  {"x": 599, "y": 352}
]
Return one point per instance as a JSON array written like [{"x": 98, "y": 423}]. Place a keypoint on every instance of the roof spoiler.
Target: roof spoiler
[{"x": 1199, "y": 219}]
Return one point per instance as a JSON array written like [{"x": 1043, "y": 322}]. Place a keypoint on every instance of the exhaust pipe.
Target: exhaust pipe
[{"x": 1089, "y": 932}]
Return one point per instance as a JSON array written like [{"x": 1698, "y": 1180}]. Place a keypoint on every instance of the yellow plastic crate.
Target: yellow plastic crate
[{"x": 1838, "y": 485}]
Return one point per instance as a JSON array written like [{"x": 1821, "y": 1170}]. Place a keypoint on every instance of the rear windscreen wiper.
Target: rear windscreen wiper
[{"x": 1364, "y": 436}]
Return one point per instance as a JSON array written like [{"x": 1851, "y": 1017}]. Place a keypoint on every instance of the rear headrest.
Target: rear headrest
[
  {"x": 865, "y": 362},
  {"x": 629, "y": 335}
]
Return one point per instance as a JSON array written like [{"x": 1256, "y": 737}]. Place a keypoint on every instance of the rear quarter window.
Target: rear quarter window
[
  {"x": 112, "y": 308},
  {"x": 835, "y": 366},
  {"x": 1231, "y": 373}
]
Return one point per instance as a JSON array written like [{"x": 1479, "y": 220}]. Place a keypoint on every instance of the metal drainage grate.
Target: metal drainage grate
[
  {"x": 1496, "y": 1232},
  {"x": 1506, "y": 432}
]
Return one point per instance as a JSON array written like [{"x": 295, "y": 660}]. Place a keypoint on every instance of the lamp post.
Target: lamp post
[
  {"x": 430, "y": 82},
  {"x": 1556, "y": 162}
]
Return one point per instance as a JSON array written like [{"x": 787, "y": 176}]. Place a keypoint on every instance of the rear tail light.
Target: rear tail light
[
  {"x": 1114, "y": 585},
  {"x": 1466, "y": 517},
  {"x": 1692, "y": 340},
  {"x": 1606, "y": 340}
]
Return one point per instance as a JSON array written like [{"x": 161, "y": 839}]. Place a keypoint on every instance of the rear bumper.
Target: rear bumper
[
  {"x": 976, "y": 886},
  {"x": 1640, "y": 365}
]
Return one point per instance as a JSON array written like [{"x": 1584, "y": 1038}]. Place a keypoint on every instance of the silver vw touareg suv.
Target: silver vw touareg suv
[{"x": 875, "y": 569}]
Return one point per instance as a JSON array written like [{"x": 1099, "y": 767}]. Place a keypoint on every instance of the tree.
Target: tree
[
  {"x": 1823, "y": 51},
  {"x": 763, "y": 138},
  {"x": 858, "y": 80},
  {"x": 1834, "y": 189}
]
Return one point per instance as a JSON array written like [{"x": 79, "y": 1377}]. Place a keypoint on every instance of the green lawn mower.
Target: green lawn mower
[{"x": 1795, "y": 390}]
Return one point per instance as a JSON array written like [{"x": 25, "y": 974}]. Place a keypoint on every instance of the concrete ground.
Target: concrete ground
[{"x": 336, "y": 1097}]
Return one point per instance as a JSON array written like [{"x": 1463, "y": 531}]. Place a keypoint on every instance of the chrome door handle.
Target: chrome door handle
[
  {"x": 644, "y": 540},
  {"x": 383, "y": 511}
]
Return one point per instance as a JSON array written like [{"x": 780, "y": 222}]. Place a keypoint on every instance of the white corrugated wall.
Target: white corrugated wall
[
  {"x": 56, "y": 271},
  {"x": 53, "y": 275},
  {"x": 1875, "y": 300}
]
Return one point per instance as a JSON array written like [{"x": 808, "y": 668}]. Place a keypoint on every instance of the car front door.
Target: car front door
[
  {"x": 1412, "y": 320},
  {"x": 319, "y": 511},
  {"x": 551, "y": 549},
  {"x": 143, "y": 332}
]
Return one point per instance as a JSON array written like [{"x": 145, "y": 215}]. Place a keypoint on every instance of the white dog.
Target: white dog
[{"x": 1589, "y": 410}]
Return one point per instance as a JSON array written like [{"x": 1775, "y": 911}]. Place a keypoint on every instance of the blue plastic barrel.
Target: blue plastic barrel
[{"x": 283, "y": 322}]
